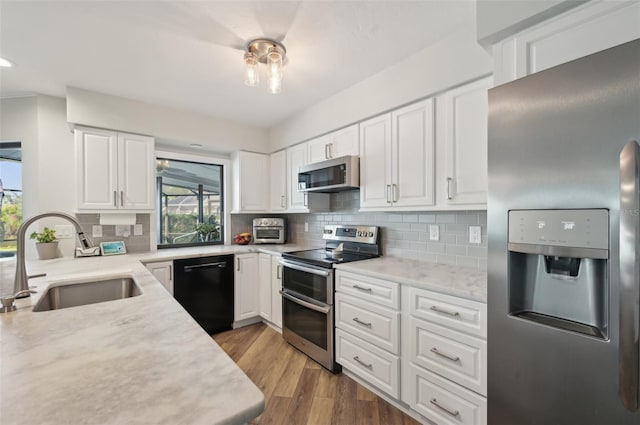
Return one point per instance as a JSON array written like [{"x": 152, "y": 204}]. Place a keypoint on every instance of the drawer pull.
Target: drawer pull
[
  {"x": 443, "y": 311},
  {"x": 367, "y": 365},
  {"x": 453, "y": 413},
  {"x": 362, "y": 289},
  {"x": 355, "y": 319},
  {"x": 434, "y": 350}
]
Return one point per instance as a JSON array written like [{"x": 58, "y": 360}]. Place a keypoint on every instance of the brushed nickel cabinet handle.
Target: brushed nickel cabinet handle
[
  {"x": 443, "y": 311},
  {"x": 367, "y": 324},
  {"x": 115, "y": 198},
  {"x": 453, "y": 413},
  {"x": 122, "y": 198},
  {"x": 367, "y": 365},
  {"x": 388, "y": 194},
  {"x": 306, "y": 199},
  {"x": 330, "y": 150},
  {"x": 434, "y": 350},
  {"x": 237, "y": 264},
  {"x": 362, "y": 289},
  {"x": 394, "y": 191},
  {"x": 326, "y": 151},
  {"x": 449, "y": 196},
  {"x": 278, "y": 272}
]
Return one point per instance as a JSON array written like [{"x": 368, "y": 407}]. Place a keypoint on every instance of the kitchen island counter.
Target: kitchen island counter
[{"x": 138, "y": 360}]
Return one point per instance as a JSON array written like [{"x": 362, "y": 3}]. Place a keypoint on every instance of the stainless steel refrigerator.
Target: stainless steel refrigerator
[{"x": 564, "y": 244}]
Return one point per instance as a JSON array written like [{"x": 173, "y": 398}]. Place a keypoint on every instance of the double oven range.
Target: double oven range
[{"x": 308, "y": 288}]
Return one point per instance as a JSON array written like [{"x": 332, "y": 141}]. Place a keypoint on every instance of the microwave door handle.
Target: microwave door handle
[{"x": 629, "y": 354}]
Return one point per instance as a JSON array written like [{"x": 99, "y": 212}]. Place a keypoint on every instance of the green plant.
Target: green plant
[
  {"x": 207, "y": 232},
  {"x": 47, "y": 235}
]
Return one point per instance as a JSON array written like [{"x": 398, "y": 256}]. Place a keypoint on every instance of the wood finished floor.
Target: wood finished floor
[{"x": 297, "y": 390}]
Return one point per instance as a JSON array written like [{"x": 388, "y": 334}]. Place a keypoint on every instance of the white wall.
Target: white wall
[
  {"x": 117, "y": 113},
  {"x": 499, "y": 19},
  {"x": 450, "y": 62}
]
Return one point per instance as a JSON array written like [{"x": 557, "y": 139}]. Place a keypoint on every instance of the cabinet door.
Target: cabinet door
[
  {"x": 264, "y": 268},
  {"x": 276, "y": 286},
  {"x": 163, "y": 271},
  {"x": 97, "y": 169},
  {"x": 252, "y": 181},
  {"x": 465, "y": 127},
  {"x": 318, "y": 149},
  {"x": 412, "y": 155},
  {"x": 247, "y": 298},
  {"x": 375, "y": 164},
  {"x": 278, "y": 181},
  {"x": 136, "y": 170},
  {"x": 344, "y": 142},
  {"x": 296, "y": 157}
]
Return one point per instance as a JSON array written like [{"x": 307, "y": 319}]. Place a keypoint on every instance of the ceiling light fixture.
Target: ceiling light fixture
[
  {"x": 5, "y": 63},
  {"x": 272, "y": 54}
]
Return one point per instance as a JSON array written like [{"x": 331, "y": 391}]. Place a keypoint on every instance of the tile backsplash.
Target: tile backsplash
[
  {"x": 133, "y": 243},
  {"x": 402, "y": 234}
]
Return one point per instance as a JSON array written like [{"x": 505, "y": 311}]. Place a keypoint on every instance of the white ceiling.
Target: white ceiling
[{"x": 188, "y": 55}]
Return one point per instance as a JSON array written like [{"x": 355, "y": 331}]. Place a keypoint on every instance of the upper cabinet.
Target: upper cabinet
[
  {"x": 462, "y": 121},
  {"x": 397, "y": 159},
  {"x": 278, "y": 181},
  {"x": 579, "y": 32},
  {"x": 115, "y": 171},
  {"x": 301, "y": 201},
  {"x": 333, "y": 145},
  {"x": 251, "y": 182}
]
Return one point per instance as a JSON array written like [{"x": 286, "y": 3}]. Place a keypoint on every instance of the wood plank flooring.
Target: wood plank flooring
[{"x": 297, "y": 390}]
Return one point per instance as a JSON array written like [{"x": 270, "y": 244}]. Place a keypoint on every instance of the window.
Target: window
[
  {"x": 190, "y": 203},
  {"x": 10, "y": 196}
]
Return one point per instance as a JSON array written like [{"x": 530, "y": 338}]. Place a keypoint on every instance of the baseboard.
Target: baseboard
[{"x": 246, "y": 322}]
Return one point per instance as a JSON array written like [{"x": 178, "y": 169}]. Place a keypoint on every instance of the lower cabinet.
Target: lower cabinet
[
  {"x": 163, "y": 271},
  {"x": 264, "y": 272},
  {"x": 246, "y": 292},
  {"x": 426, "y": 350},
  {"x": 276, "y": 286}
]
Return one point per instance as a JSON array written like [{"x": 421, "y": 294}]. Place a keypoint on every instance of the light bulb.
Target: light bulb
[
  {"x": 274, "y": 66},
  {"x": 251, "y": 75}
]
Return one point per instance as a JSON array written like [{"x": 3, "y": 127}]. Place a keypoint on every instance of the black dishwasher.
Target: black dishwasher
[{"x": 204, "y": 287}]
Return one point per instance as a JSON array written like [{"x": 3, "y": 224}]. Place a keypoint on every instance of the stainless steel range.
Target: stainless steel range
[{"x": 308, "y": 288}]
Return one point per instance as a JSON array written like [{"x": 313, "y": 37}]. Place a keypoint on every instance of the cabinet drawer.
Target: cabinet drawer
[
  {"x": 372, "y": 364},
  {"x": 444, "y": 402},
  {"x": 453, "y": 312},
  {"x": 371, "y": 289},
  {"x": 454, "y": 355},
  {"x": 375, "y": 324}
]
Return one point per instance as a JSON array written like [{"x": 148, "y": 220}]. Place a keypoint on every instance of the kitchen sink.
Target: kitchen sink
[{"x": 87, "y": 292}]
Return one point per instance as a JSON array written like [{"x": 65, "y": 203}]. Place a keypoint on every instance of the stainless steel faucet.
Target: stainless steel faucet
[{"x": 21, "y": 282}]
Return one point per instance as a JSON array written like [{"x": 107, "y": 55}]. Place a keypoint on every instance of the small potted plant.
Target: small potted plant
[
  {"x": 47, "y": 244},
  {"x": 207, "y": 232}
]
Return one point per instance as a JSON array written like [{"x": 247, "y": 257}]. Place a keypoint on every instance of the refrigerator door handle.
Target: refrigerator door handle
[{"x": 629, "y": 354}]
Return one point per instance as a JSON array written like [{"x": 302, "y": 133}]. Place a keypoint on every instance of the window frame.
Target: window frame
[{"x": 225, "y": 216}]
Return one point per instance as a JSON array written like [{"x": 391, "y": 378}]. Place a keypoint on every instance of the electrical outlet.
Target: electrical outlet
[
  {"x": 306, "y": 226},
  {"x": 434, "y": 232},
  {"x": 96, "y": 231},
  {"x": 123, "y": 230},
  {"x": 137, "y": 230},
  {"x": 475, "y": 234},
  {"x": 64, "y": 231}
]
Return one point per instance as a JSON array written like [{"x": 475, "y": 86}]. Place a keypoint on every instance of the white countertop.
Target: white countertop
[
  {"x": 138, "y": 360},
  {"x": 459, "y": 281}
]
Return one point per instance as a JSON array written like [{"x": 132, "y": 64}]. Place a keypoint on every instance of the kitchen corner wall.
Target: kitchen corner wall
[
  {"x": 132, "y": 243},
  {"x": 402, "y": 234}
]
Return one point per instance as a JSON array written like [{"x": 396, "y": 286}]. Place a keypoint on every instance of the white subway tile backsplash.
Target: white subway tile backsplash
[
  {"x": 445, "y": 218},
  {"x": 456, "y": 249}
]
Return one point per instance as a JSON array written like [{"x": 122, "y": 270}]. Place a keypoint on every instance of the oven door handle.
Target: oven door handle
[
  {"x": 304, "y": 269},
  {"x": 306, "y": 304}
]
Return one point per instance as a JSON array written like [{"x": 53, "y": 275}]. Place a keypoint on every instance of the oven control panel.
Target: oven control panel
[{"x": 363, "y": 234}]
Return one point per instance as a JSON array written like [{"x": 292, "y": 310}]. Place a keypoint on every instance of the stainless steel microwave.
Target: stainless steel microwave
[{"x": 332, "y": 175}]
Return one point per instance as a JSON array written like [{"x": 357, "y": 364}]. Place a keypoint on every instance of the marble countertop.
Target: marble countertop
[
  {"x": 138, "y": 360},
  {"x": 459, "y": 281}
]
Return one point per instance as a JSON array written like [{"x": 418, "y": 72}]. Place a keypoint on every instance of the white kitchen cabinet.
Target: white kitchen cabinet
[
  {"x": 264, "y": 281},
  {"x": 276, "y": 286},
  {"x": 397, "y": 159},
  {"x": 115, "y": 171},
  {"x": 278, "y": 181},
  {"x": 163, "y": 271},
  {"x": 578, "y": 32},
  {"x": 335, "y": 144},
  {"x": 251, "y": 182},
  {"x": 301, "y": 201},
  {"x": 463, "y": 126},
  {"x": 246, "y": 291}
]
